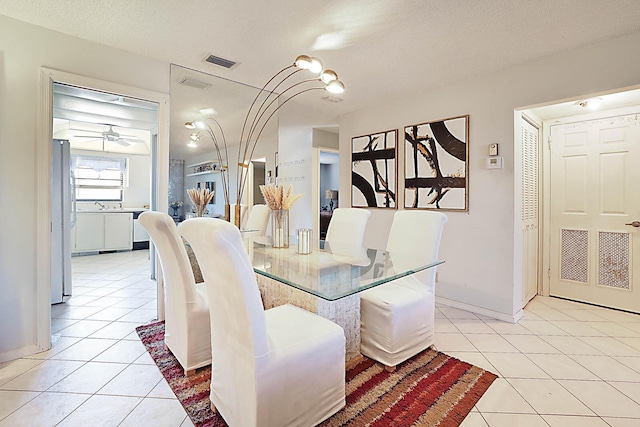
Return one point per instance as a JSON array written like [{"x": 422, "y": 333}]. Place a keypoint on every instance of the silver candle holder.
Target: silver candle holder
[{"x": 304, "y": 240}]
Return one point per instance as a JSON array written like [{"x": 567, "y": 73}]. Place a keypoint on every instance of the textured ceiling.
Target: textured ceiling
[{"x": 380, "y": 49}]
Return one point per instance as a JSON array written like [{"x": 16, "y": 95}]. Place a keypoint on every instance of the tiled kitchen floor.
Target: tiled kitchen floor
[{"x": 565, "y": 364}]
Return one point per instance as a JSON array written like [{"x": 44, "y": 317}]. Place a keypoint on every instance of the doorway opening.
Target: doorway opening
[
  {"x": 101, "y": 182},
  {"x": 329, "y": 184},
  {"x": 587, "y": 201},
  {"x": 96, "y": 121}
]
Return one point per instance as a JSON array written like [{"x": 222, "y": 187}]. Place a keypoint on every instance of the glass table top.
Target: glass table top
[{"x": 331, "y": 274}]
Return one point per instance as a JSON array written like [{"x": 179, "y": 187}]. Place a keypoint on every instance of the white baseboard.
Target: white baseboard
[
  {"x": 513, "y": 318},
  {"x": 18, "y": 353}
]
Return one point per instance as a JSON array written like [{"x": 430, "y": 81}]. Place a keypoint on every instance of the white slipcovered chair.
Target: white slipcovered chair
[
  {"x": 346, "y": 231},
  {"x": 280, "y": 367},
  {"x": 397, "y": 318},
  {"x": 258, "y": 220},
  {"x": 187, "y": 330}
]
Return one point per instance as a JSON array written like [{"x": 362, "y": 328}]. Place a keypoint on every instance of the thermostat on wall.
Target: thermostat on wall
[{"x": 494, "y": 162}]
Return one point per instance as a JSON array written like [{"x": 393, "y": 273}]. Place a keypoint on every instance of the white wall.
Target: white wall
[
  {"x": 478, "y": 245},
  {"x": 326, "y": 139},
  {"x": 294, "y": 156},
  {"x": 24, "y": 49}
]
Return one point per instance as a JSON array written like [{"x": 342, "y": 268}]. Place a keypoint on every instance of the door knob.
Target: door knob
[{"x": 634, "y": 224}]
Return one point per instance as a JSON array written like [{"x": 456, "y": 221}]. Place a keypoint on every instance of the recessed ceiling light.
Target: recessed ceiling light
[
  {"x": 210, "y": 111},
  {"x": 592, "y": 104}
]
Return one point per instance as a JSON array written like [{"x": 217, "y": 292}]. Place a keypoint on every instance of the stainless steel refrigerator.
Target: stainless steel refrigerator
[{"x": 63, "y": 218}]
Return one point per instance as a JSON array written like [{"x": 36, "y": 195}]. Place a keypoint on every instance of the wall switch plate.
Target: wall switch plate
[
  {"x": 493, "y": 149},
  {"x": 494, "y": 162}
]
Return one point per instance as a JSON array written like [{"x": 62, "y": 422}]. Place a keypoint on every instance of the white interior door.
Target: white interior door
[{"x": 595, "y": 172}]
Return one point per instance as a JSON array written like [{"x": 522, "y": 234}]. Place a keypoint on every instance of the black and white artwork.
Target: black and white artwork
[
  {"x": 373, "y": 170},
  {"x": 436, "y": 165}
]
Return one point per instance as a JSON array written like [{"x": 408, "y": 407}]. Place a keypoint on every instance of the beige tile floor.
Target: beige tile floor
[{"x": 565, "y": 364}]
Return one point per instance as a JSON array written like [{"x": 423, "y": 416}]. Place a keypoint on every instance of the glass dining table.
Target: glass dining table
[{"x": 327, "y": 281}]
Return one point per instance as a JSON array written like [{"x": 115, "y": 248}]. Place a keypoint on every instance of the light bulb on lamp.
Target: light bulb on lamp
[
  {"x": 328, "y": 76},
  {"x": 316, "y": 65},
  {"x": 335, "y": 86},
  {"x": 306, "y": 62},
  {"x": 303, "y": 62}
]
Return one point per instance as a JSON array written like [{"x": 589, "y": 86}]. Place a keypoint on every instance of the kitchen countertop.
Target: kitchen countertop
[{"x": 116, "y": 210}]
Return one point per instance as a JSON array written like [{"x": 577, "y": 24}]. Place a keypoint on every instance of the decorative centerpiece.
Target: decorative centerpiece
[
  {"x": 279, "y": 202},
  {"x": 200, "y": 198},
  {"x": 175, "y": 206}
]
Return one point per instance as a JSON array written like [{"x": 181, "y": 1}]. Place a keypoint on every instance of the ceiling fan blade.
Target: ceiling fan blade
[
  {"x": 86, "y": 130},
  {"x": 122, "y": 142},
  {"x": 131, "y": 140},
  {"x": 86, "y": 136}
]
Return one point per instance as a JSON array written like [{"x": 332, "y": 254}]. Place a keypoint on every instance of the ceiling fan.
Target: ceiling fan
[{"x": 112, "y": 136}]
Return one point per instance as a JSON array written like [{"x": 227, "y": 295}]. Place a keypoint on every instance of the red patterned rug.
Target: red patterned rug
[{"x": 430, "y": 389}]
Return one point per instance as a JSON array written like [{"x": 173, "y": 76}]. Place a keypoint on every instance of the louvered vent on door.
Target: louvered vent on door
[
  {"x": 529, "y": 173},
  {"x": 574, "y": 255},
  {"x": 613, "y": 260}
]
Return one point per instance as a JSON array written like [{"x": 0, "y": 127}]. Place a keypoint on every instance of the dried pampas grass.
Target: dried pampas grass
[
  {"x": 200, "y": 196},
  {"x": 276, "y": 198}
]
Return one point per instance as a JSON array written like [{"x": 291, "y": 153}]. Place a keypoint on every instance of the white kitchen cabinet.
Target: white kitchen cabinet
[
  {"x": 89, "y": 232},
  {"x": 97, "y": 231},
  {"x": 118, "y": 231}
]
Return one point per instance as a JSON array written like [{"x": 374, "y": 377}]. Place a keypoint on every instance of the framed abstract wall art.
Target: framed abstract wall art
[
  {"x": 436, "y": 167},
  {"x": 374, "y": 159}
]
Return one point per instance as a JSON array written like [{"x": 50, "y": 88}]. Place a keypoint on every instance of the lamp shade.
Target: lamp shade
[
  {"x": 331, "y": 194},
  {"x": 335, "y": 86},
  {"x": 303, "y": 62},
  {"x": 328, "y": 75}
]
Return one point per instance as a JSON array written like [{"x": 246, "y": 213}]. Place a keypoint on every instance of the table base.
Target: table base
[{"x": 344, "y": 312}]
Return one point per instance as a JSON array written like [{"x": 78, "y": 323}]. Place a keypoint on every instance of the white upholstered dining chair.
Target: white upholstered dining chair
[
  {"x": 258, "y": 220},
  {"x": 397, "y": 318},
  {"x": 346, "y": 231},
  {"x": 279, "y": 367},
  {"x": 187, "y": 327}
]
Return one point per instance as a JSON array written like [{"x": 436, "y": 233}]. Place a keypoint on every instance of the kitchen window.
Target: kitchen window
[{"x": 99, "y": 178}]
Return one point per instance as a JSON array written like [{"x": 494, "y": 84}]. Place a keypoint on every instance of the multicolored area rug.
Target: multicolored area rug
[{"x": 430, "y": 389}]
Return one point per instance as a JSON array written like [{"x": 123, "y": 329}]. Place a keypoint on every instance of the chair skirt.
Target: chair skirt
[{"x": 397, "y": 321}]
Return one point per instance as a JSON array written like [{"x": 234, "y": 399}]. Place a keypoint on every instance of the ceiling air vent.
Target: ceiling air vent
[
  {"x": 333, "y": 99},
  {"x": 216, "y": 60},
  {"x": 198, "y": 84}
]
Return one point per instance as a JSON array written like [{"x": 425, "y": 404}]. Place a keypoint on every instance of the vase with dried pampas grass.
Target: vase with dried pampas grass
[
  {"x": 279, "y": 201},
  {"x": 200, "y": 197}
]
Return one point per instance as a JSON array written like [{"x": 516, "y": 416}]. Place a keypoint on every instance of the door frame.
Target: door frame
[
  {"x": 546, "y": 177},
  {"x": 315, "y": 193},
  {"x": 44, "y": 126}
]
